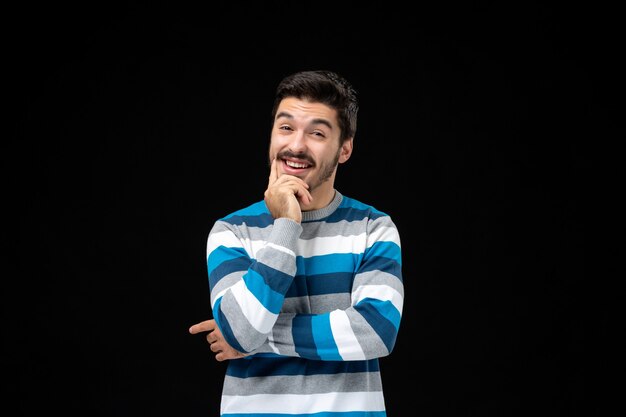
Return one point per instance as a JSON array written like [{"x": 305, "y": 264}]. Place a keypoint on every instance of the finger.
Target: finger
[
  {"x": 291, "y": 181},
  {"x": 203, "y": 326},
  {"x": 273, "y": 172},
  {"x": 299, "y": 188},
  {"x": 304, "y": 196}
]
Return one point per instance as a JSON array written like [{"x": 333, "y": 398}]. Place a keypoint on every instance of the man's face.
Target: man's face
[{"x": 305, "y": 140}]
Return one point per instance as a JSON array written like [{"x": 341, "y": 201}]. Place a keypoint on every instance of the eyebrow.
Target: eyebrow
[{"x": 314, "y": 121}]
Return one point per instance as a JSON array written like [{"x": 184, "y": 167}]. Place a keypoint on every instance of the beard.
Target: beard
[{"x": 326, "y": 169}]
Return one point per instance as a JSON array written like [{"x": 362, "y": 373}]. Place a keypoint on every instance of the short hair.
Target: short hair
[{"x": 325, "y": 87}]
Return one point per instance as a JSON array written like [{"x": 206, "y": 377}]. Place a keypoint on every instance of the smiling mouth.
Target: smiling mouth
[{"x": 297, "y": 165}]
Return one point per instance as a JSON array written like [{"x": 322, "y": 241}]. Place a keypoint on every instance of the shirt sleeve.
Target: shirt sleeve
[
  {"x": 368, "y": 328},
  {"x": 247, "y": 293}
]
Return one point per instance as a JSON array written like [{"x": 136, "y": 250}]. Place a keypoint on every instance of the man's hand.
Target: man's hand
[
  {"x": 284, "y": 194},
  {"x": 223, "y": 351}
]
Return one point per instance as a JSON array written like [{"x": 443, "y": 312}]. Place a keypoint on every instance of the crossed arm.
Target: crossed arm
[{"x": 364, "y": 329}]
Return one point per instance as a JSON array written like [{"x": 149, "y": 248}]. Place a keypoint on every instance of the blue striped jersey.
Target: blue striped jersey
[{"x": 314, "y": 305}]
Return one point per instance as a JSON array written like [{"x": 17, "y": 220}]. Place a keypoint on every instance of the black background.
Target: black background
[{"x": 133, "y": 127}]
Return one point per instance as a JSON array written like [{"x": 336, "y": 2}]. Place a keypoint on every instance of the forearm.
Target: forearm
[{"x": 366, "y": 330}]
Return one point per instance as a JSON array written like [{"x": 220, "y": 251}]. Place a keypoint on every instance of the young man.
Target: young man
[{"x": 306, "y": 285}]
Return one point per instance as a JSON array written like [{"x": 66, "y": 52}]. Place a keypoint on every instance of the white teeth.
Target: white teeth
[{"x": 296, "y": 164}]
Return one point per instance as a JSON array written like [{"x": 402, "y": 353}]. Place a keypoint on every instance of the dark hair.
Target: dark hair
[{"x": 325, "y": 87}]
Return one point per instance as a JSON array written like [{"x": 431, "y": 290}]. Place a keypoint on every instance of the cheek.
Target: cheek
[
  {"x": 277, "y": 144},
  {"x": 273, "y": 149},
  {"x": 277, "y": 141}
]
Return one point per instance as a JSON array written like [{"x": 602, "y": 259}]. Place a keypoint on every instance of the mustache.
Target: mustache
[{"x": 288, "y": 154}]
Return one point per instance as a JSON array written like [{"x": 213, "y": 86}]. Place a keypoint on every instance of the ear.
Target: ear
[{"x": 346, "y": 150}]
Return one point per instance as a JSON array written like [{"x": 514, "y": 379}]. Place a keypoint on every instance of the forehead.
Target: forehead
[{"x": 306, "y": 111}]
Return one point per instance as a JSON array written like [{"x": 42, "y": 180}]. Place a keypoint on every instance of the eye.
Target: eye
[
  {"x": 284, "y": 127},
  {"x": 318, "y": 133}
]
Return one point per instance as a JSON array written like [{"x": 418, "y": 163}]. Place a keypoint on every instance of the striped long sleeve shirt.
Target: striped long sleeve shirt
[{"x": 315, "y": 305}]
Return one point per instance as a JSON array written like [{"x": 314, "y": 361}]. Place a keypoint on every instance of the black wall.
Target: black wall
[{"x": 132, "y": 128}]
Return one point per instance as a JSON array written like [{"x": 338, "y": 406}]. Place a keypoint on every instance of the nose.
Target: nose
[{"x": 298, "y": 142}]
